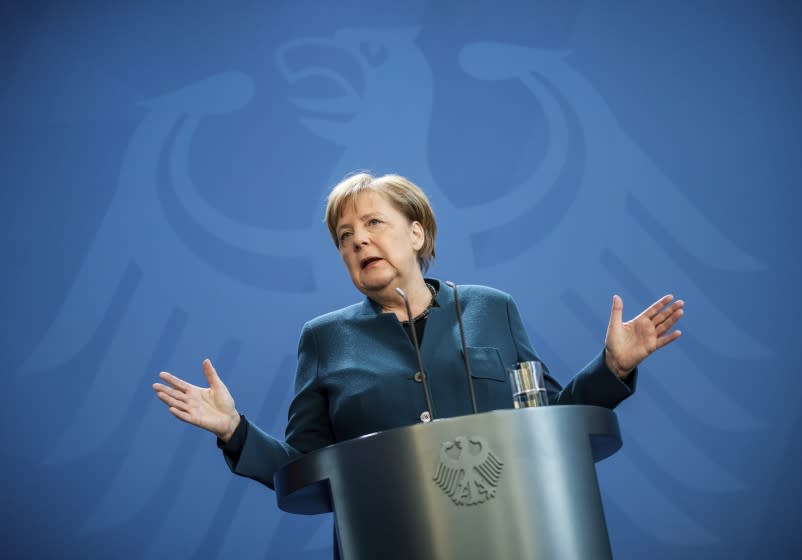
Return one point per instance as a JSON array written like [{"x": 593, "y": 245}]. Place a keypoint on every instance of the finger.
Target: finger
[
  {"x": 211, "y": 373},
  {"x": 616, "y": 312},
  {"x": 669, "y": 322},
  {"x": 172, "y": 402},
  {"x": 657, "y": 306},
  {"x": 177, "y": 383},
  {"x": 175, "y": 393},
  {"x": 668, "y": 312},
  {"x": 668, "y": 339}
]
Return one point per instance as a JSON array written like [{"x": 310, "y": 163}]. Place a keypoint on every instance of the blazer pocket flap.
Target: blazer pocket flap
[{"x": 486, "y": 363}]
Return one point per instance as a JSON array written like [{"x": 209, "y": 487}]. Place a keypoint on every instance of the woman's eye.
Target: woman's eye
[
  {"x": 374, "y": 221},
  {"x": 344, "y": 235}
]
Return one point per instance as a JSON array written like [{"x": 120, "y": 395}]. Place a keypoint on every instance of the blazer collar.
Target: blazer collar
[{"x": 444, "y": 298}]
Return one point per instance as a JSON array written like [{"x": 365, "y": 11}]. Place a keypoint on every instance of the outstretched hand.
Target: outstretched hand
[
  {"x": 628, "y": 344},
  {"x": 210, "y": 408}
]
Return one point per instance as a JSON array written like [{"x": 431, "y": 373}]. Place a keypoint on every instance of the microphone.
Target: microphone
[
  {"x": 424, "y": 377},
  {"x": 464, "y": 346}
]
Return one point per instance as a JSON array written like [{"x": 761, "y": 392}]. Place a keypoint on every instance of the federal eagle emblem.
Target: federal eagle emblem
[{"x": 468, "y": 471}]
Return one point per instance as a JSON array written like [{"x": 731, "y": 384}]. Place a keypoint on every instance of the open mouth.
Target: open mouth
[{"x": 368, "y": 261}]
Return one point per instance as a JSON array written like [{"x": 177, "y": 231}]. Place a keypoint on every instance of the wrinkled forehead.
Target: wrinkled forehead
[{"x": 363, "y": 201}]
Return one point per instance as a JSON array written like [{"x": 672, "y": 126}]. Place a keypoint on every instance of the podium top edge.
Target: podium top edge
[{"x": 595, "y": 420}]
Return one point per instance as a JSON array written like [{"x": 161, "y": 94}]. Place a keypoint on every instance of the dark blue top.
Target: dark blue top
[{"x": 356, "y": 375}]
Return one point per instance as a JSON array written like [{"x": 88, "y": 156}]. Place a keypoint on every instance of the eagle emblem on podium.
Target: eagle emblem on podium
[{"x": 468, "y": 471}]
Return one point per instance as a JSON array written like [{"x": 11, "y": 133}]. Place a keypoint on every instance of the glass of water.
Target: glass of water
[{"x": 528, "y": 384}]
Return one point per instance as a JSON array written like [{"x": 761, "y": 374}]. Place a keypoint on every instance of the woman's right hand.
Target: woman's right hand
[{"x": 210, "y": 408}]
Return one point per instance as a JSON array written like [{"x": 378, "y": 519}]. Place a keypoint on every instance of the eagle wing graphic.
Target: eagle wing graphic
[
  {"x": 136, "y": 307},
  {"x": 640, "y": 237}
]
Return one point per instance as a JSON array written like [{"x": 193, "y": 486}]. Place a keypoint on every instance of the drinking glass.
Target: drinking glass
[{"x": 528, "y": 385}]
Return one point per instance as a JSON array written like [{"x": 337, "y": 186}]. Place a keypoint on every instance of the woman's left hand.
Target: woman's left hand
[{"x": 628, "y": 344}]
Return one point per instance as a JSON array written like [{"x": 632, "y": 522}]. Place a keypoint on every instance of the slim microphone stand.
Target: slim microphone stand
[
  {"x": 424, "y": 377},
  {"x": 464, "y": 346}
]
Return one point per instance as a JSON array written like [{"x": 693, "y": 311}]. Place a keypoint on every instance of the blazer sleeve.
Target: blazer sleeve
[
  {"x": 595, "y": 384},
  {"x": 308, "y": 426}
]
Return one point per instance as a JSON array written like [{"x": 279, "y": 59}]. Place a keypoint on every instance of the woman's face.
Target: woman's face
[{"x": 378, "y": 245}]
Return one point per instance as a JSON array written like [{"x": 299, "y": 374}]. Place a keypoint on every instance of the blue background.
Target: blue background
[{"x": 163, "y": 172}]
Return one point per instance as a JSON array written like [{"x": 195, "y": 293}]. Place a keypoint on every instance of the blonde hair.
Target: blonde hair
[{"x": 402, "y": 193}]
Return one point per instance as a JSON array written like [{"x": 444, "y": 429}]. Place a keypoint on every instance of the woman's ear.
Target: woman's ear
[{"x": 418, "y": 235}]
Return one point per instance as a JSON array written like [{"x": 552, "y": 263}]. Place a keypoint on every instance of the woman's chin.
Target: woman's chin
[{"x": 375, "y": 281}]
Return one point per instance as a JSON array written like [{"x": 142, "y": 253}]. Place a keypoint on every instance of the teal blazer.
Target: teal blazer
[{"x": 356, "y": 374}]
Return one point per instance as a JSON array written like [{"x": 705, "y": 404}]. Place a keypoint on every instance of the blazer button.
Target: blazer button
[
  {"x": 425, "y": 416},
  {"x": 418, "y": 377}
]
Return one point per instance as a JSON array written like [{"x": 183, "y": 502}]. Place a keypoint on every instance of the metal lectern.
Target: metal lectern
[{"x": 508, "y": 484}]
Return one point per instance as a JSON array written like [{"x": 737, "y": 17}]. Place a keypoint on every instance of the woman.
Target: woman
[{"x": 357, "y": 371}]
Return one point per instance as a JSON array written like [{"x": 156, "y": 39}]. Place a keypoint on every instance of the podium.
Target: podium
[{"x": 507, "y": 484}]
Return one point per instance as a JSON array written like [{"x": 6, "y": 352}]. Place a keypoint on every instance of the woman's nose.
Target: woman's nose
[{"x": 359, "y": 239}]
